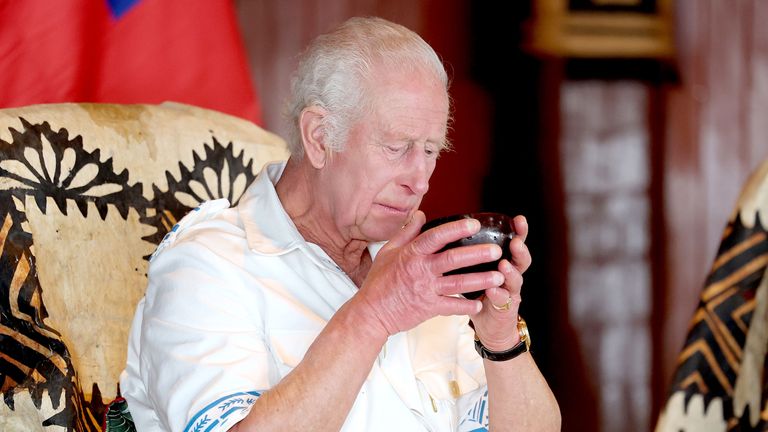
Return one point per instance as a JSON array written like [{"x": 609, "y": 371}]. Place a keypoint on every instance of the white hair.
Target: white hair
[{"x": 336, "y": 67}]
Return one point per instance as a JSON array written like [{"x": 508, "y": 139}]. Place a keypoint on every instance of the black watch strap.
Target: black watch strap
[
  {"x": 509, "y": 354},
  {"x": 522, "y": 346}
]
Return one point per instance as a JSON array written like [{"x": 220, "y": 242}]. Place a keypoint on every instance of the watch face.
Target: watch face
[{"x": 522, "y": 327}]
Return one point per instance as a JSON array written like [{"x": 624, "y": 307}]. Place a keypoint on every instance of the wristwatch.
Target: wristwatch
[{"x": 521, "y": 347}]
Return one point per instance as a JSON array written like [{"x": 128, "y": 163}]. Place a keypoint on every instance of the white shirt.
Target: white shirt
[{"x": 235, "y": 298}]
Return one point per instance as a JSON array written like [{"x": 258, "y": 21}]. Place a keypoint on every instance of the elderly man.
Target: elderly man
[{"x": 290, "y": 312}]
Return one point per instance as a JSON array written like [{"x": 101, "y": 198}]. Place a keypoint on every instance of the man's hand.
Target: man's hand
[
  {"x": 496, "y": 327},
  {"x": 406, "y": 286}
]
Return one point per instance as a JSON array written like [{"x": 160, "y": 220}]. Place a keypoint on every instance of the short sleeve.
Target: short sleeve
[{"x": 204, "y": 360}]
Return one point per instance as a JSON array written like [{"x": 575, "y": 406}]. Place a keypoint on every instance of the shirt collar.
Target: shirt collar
[{"x": 268, "y": 228}]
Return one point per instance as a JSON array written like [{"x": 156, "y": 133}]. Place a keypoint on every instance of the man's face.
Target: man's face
[{"x": 378, "y": 180}]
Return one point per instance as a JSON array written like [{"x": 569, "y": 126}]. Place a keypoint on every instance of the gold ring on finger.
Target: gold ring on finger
[{"x": 505, "y": 306}]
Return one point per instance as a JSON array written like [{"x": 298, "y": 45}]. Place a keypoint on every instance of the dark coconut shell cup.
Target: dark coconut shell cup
[{"x": 494, "y": 228}]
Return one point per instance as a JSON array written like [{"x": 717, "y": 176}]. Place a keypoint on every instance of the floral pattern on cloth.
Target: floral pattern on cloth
[
  {"x": 218, "y": 414},
  {"x": 122, "y": 174}
]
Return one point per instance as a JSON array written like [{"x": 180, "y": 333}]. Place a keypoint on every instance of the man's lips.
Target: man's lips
[{"x": 394, "y": 209}]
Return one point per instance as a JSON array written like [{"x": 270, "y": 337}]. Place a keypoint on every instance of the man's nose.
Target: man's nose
[{"x": 417, "y": 173}]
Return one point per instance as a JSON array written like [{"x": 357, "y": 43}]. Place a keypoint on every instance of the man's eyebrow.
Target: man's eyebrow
[
  {"x": 389, "y": 133},
  {"x": 441, "y": 144}
]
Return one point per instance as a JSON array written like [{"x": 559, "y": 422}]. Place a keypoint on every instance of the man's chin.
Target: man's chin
[{"x": 385, "y": 231}]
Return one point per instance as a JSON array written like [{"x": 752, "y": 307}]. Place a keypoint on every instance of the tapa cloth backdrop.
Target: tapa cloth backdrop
[{"x": 86, "y": 192}]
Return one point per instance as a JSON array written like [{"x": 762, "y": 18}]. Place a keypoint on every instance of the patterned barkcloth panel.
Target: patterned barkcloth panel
[
  {"x": 721, "y": 382},
  {"x": 86, "y": 192}
]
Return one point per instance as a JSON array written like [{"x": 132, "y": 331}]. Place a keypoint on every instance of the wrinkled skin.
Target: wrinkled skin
[
  {"x": 369, "y": 192},
  {"x": 405, "y": 285},
  {"x": 498, "y": 329}
]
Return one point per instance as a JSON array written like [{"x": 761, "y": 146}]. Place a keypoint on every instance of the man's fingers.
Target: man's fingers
[
  {"x": 457, "y": 306},
  {"x": 436, "y": 238},
  {"x": 409, "y": 231},
  {"x": 521, "y": 226},
  {"x": 458, "y": 284},
  {"x": 500, "y": 297},
  {"x": 465, "y": 256},
  {"x": 521, "y": 257}
]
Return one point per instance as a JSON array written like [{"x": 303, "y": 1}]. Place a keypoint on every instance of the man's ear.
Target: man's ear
[{"x": 313, "y": 135}]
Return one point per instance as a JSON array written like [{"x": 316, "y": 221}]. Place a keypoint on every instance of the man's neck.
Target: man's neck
[{"x": 295, "y": 188}]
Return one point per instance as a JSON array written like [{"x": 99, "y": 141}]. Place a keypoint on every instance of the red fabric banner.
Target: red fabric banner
[{"x": 124, "y": 51}]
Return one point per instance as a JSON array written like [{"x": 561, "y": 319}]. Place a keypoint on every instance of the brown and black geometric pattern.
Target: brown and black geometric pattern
[
  {"x": 711, "y": 358},
  {"x": 33, "y": 357},
  {"x": 219, "y": 173}
]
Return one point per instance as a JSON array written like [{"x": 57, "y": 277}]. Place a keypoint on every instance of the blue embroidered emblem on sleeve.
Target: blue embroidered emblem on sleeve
[
  {"x": 476, "y": 419},
  {"x": 218, "y": 414}
]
